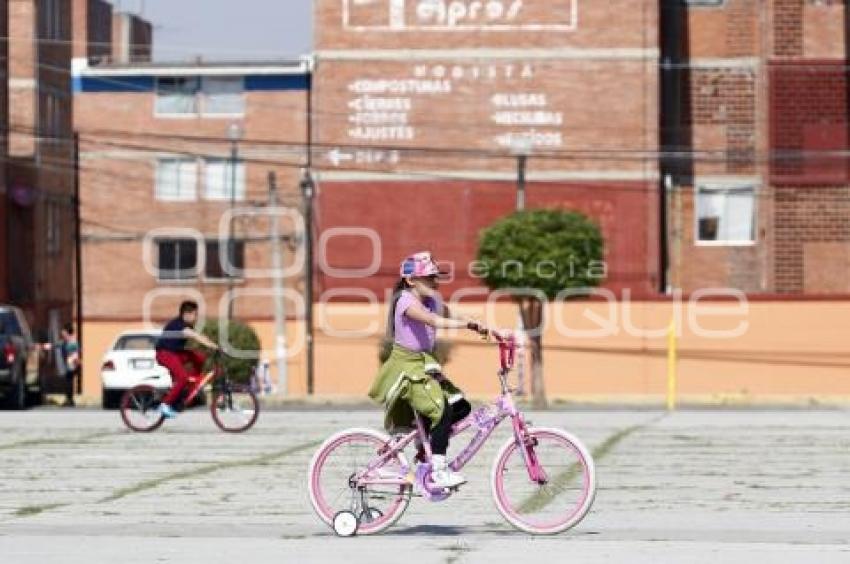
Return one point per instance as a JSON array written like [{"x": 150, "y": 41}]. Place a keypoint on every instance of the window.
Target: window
[
  {"x": 223, "y": 96},
  {"x": 177, "y": 259},
  {"x": 51, "y": 19},
  {"x": 135, "y": 343},
  {"x": 176, "y": 180},
  {"x": 177, "y": 95},
  {"x": 215, "y": 268},
  {"x": 53, "y": 117},
  {"x": 193, "y": 96},
  {"x": 725, "y": 214},
  {"x": 54, "y": 227},
  {"x": 219, "y": 179}
]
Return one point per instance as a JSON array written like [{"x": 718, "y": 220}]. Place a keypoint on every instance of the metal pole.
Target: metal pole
[
  {"x": 279, "y": 305},
  {"x": 308, "y": 190},
  {"x": 234, "y": 156},
  {"x": 520, "y": 182},
  {"x": 78, "y": 255}
]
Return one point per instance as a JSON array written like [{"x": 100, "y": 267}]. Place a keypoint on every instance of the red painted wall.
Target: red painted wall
[
  {"x": 808, "y": 112},
  {"x": 447, "y": 216}
]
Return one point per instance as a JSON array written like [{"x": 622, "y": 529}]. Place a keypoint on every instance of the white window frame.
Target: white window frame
[
  {"x": 193, "y": 275},
  {"x": 725, "y": 185},
  {"x": 240, "y": 188},
  {"x": 192, "y": 192},
  {"x": 204, "y": 94},
  {"x": 178, "y": 115},
  {"x": 200, "y": 97},
  {"x": 216, "y": 256}
]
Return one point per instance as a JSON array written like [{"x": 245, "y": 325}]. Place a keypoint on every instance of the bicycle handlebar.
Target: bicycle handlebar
[{"x": 507, "y": 350}]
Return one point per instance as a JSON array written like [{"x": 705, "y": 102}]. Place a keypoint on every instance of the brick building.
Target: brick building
[
  {"x": 4, "y": 124},
  {"x": 696, "y": 132},
  {"x": 104, "y": 35},
  {"x": 757, "y": 92},
  {"x": 157, "y": 174},
  {"x": 39, "y": 202},
  {"x": 427, "y": 105}
]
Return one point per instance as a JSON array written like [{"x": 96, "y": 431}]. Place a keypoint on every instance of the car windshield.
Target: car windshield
[{"x": 135, "y": 343}]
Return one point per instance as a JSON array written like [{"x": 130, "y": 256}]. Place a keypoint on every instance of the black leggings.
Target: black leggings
[{"x": 452, "y": 413}]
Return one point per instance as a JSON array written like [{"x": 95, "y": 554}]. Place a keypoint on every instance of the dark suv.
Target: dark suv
[{"x": 19, "y": 360}]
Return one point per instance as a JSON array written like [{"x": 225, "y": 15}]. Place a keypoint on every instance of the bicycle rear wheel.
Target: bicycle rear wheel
[
  {"x": 551, "y": 492},
  {"x": 140, "y": 408},
  {"x": 234, "y": 409},
  {"x": 332, "y": 469}
]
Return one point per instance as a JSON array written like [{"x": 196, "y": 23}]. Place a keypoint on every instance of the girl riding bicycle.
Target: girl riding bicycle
[{"x": 411, "y": 380}]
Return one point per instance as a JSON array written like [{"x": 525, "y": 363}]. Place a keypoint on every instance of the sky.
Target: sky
[{"x": 226, "y": 29}]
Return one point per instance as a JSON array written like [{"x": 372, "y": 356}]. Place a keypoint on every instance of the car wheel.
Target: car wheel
[
  {"x": 111, "y": 399},
  {"x": 17, "y": 398}
]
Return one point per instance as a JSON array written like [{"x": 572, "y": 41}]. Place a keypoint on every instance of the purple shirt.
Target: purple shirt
[{"x": 409, "y": 333}]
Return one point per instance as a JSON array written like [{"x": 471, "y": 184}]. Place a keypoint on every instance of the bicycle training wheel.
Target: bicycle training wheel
[{"x": 331, "y": 473}]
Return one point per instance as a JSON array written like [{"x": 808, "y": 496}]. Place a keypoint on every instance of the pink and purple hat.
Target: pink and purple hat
[{"x": 419, "y": 266}]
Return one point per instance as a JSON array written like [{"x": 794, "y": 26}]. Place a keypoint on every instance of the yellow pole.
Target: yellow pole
[{"x": 671, "y": 365}]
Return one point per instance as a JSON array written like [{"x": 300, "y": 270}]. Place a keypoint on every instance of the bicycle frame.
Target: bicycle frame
[
  {"x": 198, "y": 385},
  {"x": 486, "y": 418}
]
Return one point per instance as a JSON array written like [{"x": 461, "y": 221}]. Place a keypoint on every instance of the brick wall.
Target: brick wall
[
  {"x": 788, "y": 28},
  {"x": 4, "y": 123},
  {"x": 706, "y": 266},
  {"x": 720, "y": 107},
  {"x": 120, "y": 207},
  {"x": 92, "y": 29},
  {"x": 132, "y": 38},
  {"x": 812, "y": 233},
  {"x": 40, "y": 168},
  {"x": 450, "y": 215},
  {"x": 808, "y": 113},
  {"x": 728, "y": 30}
]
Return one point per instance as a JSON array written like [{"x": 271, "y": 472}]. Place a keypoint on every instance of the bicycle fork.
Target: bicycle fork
[{"x": 527, "y": 444}]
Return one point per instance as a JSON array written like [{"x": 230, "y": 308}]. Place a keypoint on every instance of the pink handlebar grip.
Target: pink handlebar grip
[{"x": 507, "y": 352}]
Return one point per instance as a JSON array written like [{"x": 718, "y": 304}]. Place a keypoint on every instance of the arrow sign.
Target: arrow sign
[{"x": 337, "y": 157}]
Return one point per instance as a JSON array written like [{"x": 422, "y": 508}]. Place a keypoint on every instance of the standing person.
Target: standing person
[
  {"x": 69, "y": 350},
  {"x": 171, "y": 352}
]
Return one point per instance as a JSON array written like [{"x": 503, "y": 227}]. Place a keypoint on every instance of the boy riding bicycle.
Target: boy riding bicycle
[{"x": 171, "y": 352}]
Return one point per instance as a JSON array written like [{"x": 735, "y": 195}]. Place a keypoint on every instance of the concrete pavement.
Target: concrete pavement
[{"x": 694, "y": 486}]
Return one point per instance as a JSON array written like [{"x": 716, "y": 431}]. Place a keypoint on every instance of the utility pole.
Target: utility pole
[
  {"x": 78, "y": 254},
  {"x": 522, "y": 160},
  {"x": 279, "y": 304},
  {"x": 521, "y": 147},
  {"x": 234, "y": 135},
  {"x": 308, "y": 189}
]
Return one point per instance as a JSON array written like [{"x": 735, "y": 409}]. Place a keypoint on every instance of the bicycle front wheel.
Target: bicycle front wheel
[
  {"x": 235, "y": 409},
  {"x": 140, "y": 408},
  {"x": 545, "y": 485},
  {"x": 330, "y": 475}
]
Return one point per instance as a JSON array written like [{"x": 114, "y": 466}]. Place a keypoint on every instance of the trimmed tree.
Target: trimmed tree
[
  {"x": 533, "y": 256},
  {"x": 241, "y": 338}
]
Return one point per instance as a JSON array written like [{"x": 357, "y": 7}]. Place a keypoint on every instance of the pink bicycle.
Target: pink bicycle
[{"x": 543, "y": 480}]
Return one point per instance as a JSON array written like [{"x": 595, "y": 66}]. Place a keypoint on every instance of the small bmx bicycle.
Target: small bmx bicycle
[
  {"x": 234, "y": 407},
  {"x": 543, "y": 480}
]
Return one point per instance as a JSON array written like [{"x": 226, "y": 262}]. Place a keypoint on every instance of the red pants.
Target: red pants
[{"x": 175, "y": 363}]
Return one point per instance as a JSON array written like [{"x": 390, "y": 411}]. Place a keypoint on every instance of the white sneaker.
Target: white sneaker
[{"x": 441, "y": 476}]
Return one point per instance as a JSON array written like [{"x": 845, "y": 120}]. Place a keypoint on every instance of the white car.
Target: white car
[{"x": 130, "y": 361}]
